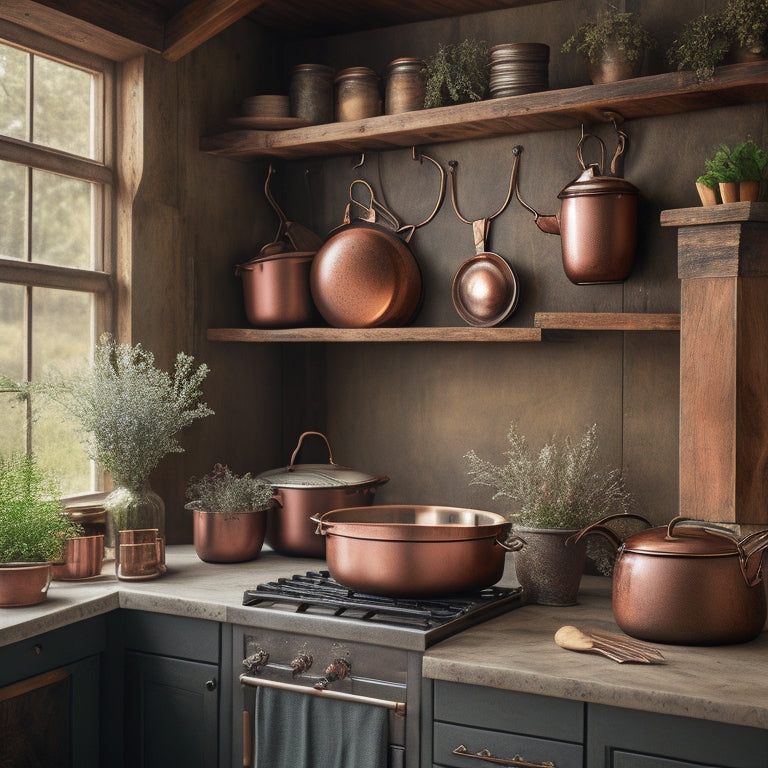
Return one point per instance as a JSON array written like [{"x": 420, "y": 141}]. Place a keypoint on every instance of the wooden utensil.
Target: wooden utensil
[{"x": 614, "y": 646}]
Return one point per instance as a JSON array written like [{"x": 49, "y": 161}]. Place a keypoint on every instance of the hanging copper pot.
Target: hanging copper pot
[{"x": 597, "y": 221}]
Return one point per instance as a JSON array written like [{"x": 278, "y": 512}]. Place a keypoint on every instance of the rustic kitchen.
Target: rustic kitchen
[{"x": 441, "y": 655}]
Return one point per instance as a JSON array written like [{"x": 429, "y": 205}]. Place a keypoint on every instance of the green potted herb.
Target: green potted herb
[
  {"x": 745, "y": 22},
  {"x": 33, "y": 529},
  {"x": 229, "y": 515},
  {"x": 613, "y": 45},
  {"x": 457, "y": 73},
  {"x": 556, "y": 492},
  {"x": 737, "y": 172},
  {"x": 701, "y": 46}
]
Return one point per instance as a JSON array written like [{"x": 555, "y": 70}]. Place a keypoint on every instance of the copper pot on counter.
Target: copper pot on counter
[
  {"x": 414, "y": 551},
  {"x": 597, "y": 221},
  {"x": 688, "y": 583},
  {"x": 305, "y": 490}
]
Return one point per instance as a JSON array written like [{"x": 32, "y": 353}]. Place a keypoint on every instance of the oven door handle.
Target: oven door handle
[{"x": 398, "y": 707}]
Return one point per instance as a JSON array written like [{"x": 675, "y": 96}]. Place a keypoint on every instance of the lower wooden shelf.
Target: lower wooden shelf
[{"x": 564, "y": 321}]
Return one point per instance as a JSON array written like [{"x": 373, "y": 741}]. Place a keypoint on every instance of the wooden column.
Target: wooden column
[{"x": 723, "y": 267}]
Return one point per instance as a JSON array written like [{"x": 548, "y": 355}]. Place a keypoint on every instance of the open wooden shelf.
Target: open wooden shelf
[
  {"x": 543, "y": 321},
  {"x": 664, "y": 94}
]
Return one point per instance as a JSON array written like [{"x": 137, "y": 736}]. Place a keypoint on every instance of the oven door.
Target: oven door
[{"x": 298, "y": 692}]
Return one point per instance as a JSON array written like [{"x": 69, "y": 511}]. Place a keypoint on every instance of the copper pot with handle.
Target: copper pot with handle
[
  {"x": 688, "y": 582},
  {"x": 597, "y": 221}
]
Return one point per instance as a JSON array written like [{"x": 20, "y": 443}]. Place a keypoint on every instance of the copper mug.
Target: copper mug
[{"x": 139, "y": 560}]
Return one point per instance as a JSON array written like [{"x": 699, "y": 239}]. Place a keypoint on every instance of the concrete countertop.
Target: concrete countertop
[{"x": 515, "y": 651}]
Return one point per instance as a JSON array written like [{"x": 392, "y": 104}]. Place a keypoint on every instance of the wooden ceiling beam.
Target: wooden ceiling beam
[{"x": 201, "y": 20}]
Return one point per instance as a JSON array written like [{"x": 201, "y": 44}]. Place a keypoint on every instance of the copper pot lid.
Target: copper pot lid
[
  {"x": 700, "y": 540},
  {"x": 591, "y": 183},
  {"x": 330, "y": 475}
]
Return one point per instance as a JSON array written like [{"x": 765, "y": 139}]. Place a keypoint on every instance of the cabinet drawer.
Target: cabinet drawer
[
  {"x": 502, "y": 746},
  {"x": 510, "y": 711}
]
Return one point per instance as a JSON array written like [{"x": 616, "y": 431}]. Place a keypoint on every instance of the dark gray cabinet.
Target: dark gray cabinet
[
  {"x": 505, "y": 727},
  {"x": 467, "y": 725},
  {"x": 50, "y": 698},
  {"x": 174, "y": 710},
  {"x": 625, "y": 738}
]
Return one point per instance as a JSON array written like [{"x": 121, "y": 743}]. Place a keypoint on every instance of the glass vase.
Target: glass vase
[{"x": 131, "y": 509}]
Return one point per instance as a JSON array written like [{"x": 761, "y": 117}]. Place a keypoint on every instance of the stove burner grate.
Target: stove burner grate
[{"x": 317, "y": 591}]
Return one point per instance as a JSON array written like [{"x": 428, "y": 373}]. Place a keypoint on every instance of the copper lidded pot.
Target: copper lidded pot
[
  {"x": 304, "y": 490},
  {"x": 357, "y": 94},
  {"x": 687, "y": 583}
]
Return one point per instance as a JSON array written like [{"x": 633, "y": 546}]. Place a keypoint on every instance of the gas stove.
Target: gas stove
[
  {"x": 316, "y": 593},
  {"x": 311, "y": 637}
]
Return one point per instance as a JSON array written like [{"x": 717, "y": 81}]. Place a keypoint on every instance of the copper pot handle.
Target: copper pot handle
[
  {"x": 301, "y": 440},
  {"x": 513, "y": 543},
  {"x": 601, "y": 529}
]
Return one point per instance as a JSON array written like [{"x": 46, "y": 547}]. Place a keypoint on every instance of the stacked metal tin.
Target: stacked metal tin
[{"x": 519, "y": 68}]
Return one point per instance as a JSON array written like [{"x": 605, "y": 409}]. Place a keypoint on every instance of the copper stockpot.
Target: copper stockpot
[
  {"x": 597, "y": 222},
  {"x": 305, "y": 490},
  {"x": 409, "y": 551},
  {"x": 688, "y": 583}
]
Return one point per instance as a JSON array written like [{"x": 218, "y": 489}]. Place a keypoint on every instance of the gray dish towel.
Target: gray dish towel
[{"x": 298, "y": 730}]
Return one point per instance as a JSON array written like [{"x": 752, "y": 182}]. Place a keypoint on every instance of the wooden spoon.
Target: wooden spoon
[{"x": 575, "y": 639}]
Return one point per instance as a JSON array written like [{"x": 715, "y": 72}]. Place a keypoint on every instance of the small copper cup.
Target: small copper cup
[{"x": 139, "y": 560}]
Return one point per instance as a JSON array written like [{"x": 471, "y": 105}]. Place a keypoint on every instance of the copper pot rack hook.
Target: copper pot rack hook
[
  {"x": 453, "y": 164},
  {"x": 361, "y": 162}
]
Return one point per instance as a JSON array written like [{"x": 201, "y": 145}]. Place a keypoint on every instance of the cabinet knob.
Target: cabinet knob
[{"x": 210, "y": 685}]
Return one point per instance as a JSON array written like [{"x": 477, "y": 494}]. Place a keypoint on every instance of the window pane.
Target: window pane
[
  {"x": 61, "y": 220},
  {"x": 12, "y": 411},
  {"x": 61, "y": 341},
  {"x": 62, "y": 107},
  {"x": 13, "y": 210},
  {"x": 14, "y": 68}
]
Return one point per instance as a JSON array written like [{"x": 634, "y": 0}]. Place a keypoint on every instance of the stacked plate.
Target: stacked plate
[{"x": 519, "y": 68}]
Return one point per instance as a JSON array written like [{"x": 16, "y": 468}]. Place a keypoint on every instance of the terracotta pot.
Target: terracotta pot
[
  {"x": 749, "y": 191},
  {"x": 707, "y": 195},
  {"x": 23, "y": 583},
  {"x": 83, "y": 558},
  {"x": 414, "y": 551},
  {"x": 228, "y": 537},
  {"x": 729, "y": 191},
  {"x": 549, "y": 567}
]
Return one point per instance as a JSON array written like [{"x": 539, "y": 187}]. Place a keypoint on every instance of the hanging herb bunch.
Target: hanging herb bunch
[{"x": 457, "y": 73}]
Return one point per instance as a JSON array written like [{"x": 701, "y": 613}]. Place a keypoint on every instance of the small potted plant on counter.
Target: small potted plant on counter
[
  {"x": 613, "y": 45},
  {"x": 557, "y": 492},
  {"x": 457, "y": 73},
  {"x": 229, "y": 515},
  {"x": 33, "y": 530}
]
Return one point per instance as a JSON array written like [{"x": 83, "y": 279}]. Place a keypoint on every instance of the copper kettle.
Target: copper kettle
[
  {"x": 689, "y": 582},
  {"x": 597, "y": 221}
]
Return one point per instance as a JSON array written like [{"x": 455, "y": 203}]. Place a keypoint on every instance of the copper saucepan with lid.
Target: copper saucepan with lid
[
  {"x": 688, "y": 582},
  {"x": 403, "y": 550}
]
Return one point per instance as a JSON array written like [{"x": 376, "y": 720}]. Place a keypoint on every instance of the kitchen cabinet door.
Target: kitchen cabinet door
[
  {"x": 623, "y": 738},
  {"x": 171, "y": 712},
  {"x": 49, "y": 698}
]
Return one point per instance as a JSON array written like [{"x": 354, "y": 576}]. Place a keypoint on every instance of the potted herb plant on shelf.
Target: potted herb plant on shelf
[
  {"x": 613, "y": 45},
  {"x": 737, "y": 172},
  {"x": 33, "y": 530},
  {"x": 745, "y": 22},
  {"x": 557, "y": 492},
  {"x": 457, "y": 73},
  {"x": 229, "y": 515},
  {"x": 131, "y": 413},
  {"x": 701, "y": 46}
]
